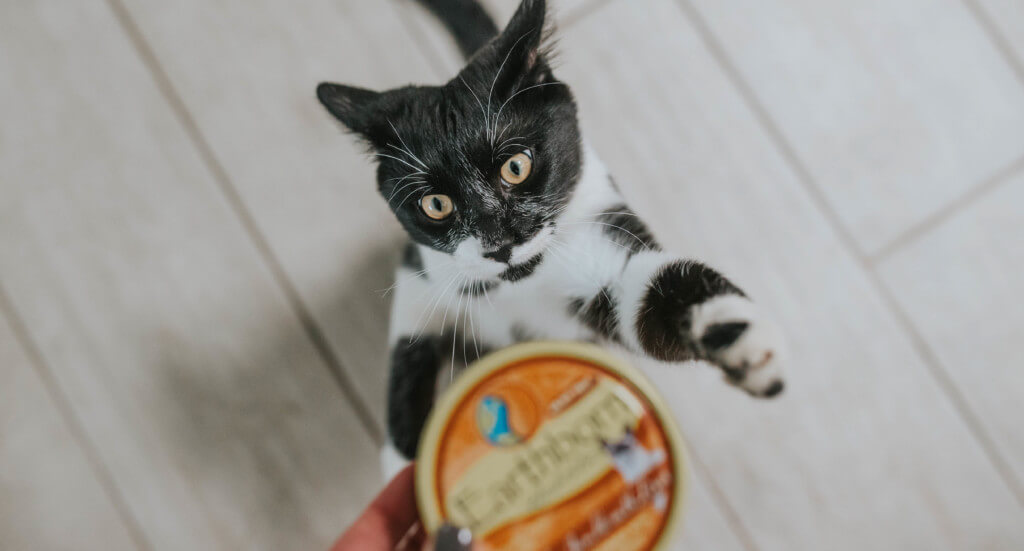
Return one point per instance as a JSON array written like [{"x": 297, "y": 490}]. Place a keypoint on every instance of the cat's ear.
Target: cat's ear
[
  {"x": 516, "y": 55},
  {"x": 522, "y": 41},
  {"x": 354, "y": 107}
]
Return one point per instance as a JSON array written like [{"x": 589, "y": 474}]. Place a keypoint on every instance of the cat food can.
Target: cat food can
[{"x": 558, "y": 446}]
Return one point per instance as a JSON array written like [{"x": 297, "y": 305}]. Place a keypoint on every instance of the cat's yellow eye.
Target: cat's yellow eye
[
  {"x": 437, "y": 206},
  {"x": 517, "y": 168}
]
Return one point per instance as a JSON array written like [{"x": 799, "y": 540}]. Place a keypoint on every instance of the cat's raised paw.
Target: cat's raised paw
[{"x": 731, "y": 332}]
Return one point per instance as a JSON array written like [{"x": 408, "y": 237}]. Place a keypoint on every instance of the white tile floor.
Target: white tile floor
[{"x": 191, "y": 323}]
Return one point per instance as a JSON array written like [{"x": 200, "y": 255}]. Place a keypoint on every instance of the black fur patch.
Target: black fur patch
[
  {"x": 774, "y": 389},
  {"x": 624, "y": 227},
  {"x": 663, "y": 321},
  {"x": 723, "y": 335},
  {"x": 414, "y": 365},
  {"x": 519, "y": 271},
  {"x": 598, "y": 314},
  {"x": 466, "y": 20},
  {"x": 412, "y": 260}
]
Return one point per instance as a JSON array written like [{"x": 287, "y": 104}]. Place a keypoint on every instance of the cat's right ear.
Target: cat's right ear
[{"x": 354, "y": 107}]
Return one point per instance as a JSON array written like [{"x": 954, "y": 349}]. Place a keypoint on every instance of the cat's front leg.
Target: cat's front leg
[
  {"x": 415, "y": 357},
  {"x": 672, "y": 310},
  {"x": 411, "y": 384}
]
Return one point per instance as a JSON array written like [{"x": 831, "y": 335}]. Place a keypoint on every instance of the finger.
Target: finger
[
  {"x": 386, "y": 520},
  {"x": 451, "y": 538}
]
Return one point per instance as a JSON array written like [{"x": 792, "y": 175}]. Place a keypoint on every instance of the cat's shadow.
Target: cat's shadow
[{"x": 261, "y": 427}]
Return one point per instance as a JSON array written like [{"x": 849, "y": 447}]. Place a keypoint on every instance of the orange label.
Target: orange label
[{"x": 555, "y": 453}]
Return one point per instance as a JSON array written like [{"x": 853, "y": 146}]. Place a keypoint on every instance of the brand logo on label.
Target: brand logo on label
[{"x": 492, "y": 418}]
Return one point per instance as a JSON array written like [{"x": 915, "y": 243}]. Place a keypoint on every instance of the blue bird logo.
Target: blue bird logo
[{"x": 492, "y": 419}]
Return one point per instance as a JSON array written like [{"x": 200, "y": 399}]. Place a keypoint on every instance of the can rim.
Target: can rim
[{"x": 427, "y": 499}]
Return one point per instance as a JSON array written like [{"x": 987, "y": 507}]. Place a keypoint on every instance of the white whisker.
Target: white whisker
[
  {"x": 478, "y": 102},
  {"x": 410, "y": 194},
  {"x": 502, "y": 108},
  {"x": 403, "y": 161},
  {"x": 407, "y": 151},
  {"x": 495, "y": 81},
  {"x": 641, "y": 241}
]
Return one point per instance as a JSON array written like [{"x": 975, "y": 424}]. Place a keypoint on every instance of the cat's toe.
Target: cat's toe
[
  {"x": 747, "y": 346},
  {"x": 762, "y": 381}
]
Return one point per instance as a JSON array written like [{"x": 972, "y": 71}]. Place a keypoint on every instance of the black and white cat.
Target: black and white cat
[{"x": 518, "y": 232}]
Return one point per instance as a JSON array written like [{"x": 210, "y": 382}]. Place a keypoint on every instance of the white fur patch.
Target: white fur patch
[
  {"x": 531, "y": 248},
  {"x": 759, "y": 350},
  {"x": 469, "y": 260}
]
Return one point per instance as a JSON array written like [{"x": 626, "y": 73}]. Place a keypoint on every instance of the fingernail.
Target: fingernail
[{"x": 453, "y": 538}]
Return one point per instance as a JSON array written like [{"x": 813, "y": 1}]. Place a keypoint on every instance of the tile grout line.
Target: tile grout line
[
  {"x": 959, "y": 401},
  {"x": 732, "y": 518},
  {"x": 297, "y": 305},
  {"x": 720, "y": 499},
  {"x": 997, "y": 38},
  {"x": 936, "y": 218},
  {"x": 71, "y": 420},
  {"x": 767, "y": 124},
  {"x": 920, "y": 346},
  {"x": 718, "y": 496}
]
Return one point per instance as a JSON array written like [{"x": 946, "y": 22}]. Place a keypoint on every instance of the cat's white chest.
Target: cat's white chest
[{"x": 536, "y": 309}]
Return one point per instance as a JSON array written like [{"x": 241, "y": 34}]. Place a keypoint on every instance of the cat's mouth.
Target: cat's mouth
[
  {"x": 515, "y": 272},
  {"x": 533, "y": 248},
  {"x": 508, "y": 263}
]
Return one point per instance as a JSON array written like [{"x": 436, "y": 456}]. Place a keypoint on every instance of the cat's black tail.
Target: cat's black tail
[{"x": 466, "y": 20}]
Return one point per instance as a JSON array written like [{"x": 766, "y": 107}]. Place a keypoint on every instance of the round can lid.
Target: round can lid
[{"x": 553, "y": 445}]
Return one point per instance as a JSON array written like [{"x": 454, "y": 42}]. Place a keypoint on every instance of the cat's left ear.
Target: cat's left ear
[
  {"x": 354, "y": 107},
  {"x": 523, "y": 37},
  {"x": 518, "y": 55}
]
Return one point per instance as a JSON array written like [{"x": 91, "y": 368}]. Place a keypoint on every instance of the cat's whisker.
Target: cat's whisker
[
  {"x": 502, "y": 144},
  {"x": 633, "y": 235},
  {"x": 410, "y": 194},
  {"x": 444, "y": 319},
  {"x": 436, "y": 302},
  {"x": 472, "y": 323},
  {"x": 559, "y": 254},
  {"x": 402, "y": 278},
  {"x": 527, "y": 89},
  {"x": 498, "y": 152},
  {"x": 488, "y": 297},
  {"x": 406, "y": 146},
  {"x": 399, "y": 189},
  {"x": 455, "y": 333},
  {"x": 478, "y": 102},
  {"x": 503, "y": 130},
  {"x": 409, "y": 153},
  {"x": 562, "y": 248},
  {"x": 403, "y": 161},
  {"x": 495, "y": 81}
]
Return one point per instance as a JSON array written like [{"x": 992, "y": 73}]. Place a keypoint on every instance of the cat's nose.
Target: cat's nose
[{"x": 502, "y": 254}]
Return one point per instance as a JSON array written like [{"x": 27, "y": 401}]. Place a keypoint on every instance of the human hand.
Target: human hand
[{"x": 391, "y": 522}]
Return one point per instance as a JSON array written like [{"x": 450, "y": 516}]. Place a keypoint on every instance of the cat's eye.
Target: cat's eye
[
  {"x": 437, "y": 206},
  {"x": 517, "y": 168}
]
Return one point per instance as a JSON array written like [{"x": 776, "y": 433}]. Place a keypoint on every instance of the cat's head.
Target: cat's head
[{"x": 480, "y": 167}]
